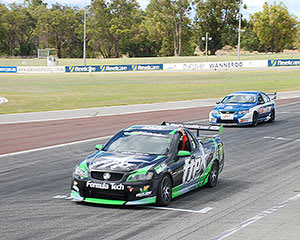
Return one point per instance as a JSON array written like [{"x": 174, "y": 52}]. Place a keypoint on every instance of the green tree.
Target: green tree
[
  {"x": 220, "y": 19},
  {"x": 250, "y": 41},
  {"x": 275, "y": 27},
  {"x": 58, "y": 28},
  {"x": 3, "y": 31},
  {"x": 114, "y": 21},
  {"x": 297, "y": 42},
  {"x": 168, "y": 23},
  {"x": 18, "y": 25}
]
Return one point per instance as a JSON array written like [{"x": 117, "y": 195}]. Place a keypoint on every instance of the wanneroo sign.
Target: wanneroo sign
[
  {"x": 216, "y": 65},
  {"x": 284, "y": 62}
]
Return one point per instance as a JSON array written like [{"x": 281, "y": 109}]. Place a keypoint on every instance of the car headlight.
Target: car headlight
[
  {"x": 81, "y": 171},
  {"x": 140, "y": 177},
  {"x": 243, "y": 112},
  {"x": 215, "y": 112}
]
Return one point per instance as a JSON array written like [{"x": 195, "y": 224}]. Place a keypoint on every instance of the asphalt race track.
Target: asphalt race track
[{"x": 257, "y": 196}]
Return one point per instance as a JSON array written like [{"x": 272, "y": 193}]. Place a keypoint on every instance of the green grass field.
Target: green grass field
[
  {"x": 148, "y": 60},
  {"x": 30, "y": 93}
]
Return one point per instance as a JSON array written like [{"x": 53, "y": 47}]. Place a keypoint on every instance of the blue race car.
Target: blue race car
[{"x": 244, "y": 108}]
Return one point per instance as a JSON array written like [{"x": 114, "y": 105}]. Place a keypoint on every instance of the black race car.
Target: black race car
[{"x": 149, "y": 164}]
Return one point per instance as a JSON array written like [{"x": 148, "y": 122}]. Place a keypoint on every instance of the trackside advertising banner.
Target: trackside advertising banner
[
  {"x": 54, "y": 69},
  {"x": 284, "y": 62},
  {"x": 114, "y": 68},
  {"x": 8, "y": 69},
  {"x": 147, "y": 67},
  {"x": 215, "y": 65},
  {"x": 82, "y": 69}
]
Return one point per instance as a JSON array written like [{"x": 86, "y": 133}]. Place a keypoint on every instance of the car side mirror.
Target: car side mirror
[
  {"x": 218, "y": 102},
  {"x": 99, "y": 146},
  {"x": 183, "y": 153}
]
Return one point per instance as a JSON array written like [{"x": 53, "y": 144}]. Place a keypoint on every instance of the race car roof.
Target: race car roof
[
  {"x": 245, "y": 92},
  {"x": 152, "y": 128}
]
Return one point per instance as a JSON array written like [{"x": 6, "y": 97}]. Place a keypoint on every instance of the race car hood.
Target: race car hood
[
  {"x": 234, "y": 106},
  {"x": 122, "y": 162}
]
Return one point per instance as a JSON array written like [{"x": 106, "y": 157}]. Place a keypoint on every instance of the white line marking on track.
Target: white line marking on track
[
  {"x": 255, "y": 218},
  {"x": 289, "y": 112},
  {"x": 282, "y": 138},
  {"x": 54, "y": 146},
  {"x": 204, "y": 210},
  {"x": 61, "y": 197}
]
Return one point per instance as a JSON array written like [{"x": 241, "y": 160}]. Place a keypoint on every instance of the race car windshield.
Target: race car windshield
[
  {"x": 239, "y": 98},
  {"x": 140, "y": 142}
]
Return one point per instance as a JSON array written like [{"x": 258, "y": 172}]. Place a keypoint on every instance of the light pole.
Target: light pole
[
  {"x": 239, "y": 36},
  {"x": 206, "y": 39},
  {"x": 84, "y": 36}
]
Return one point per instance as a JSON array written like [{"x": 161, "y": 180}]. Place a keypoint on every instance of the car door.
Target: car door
[
  {"x": 268, "y": 106},
  {"x": 179, "y": 165},
  {"x": 265, "y": 105},
  {"x": 261, "y": 107}
]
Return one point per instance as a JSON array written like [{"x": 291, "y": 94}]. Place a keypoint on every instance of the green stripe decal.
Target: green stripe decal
[
  {"x": 104, "y": 201},
  {"x": 173, "y": 132},
  {"x": 149, "y": 200}
]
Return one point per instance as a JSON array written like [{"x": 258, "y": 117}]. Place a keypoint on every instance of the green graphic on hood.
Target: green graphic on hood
[{"x": 85, "y": 169}]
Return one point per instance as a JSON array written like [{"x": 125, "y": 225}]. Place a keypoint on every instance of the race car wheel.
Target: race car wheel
[
  {"x": 164, "y": 194},
  {"x": 254, "y": 119},
  {"x": 272, "y": 116},
  {"x": 213, "y": 175}
]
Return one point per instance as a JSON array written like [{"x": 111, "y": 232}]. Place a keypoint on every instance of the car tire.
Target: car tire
[
  {"x": 213, "y": 175},
  {"x": 272, "y": 117},
  {"x": 164, "y": 194},
  {"x": 254, "y": 119}
]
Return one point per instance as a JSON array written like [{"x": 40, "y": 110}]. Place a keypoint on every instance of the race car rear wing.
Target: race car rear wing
[
  {"x": 274, "y": 95},
  {"x": 196, "y": 127}
]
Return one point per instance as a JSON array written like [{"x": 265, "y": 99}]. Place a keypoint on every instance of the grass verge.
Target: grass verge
[{"x": 31, "y": 93}]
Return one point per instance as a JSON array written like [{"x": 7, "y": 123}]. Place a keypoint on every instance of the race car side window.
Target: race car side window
[
  {"x": 193, "y": 141},
  {"x": 266, "y": 98},
  {"x": 201, "y": 148},
  {"x": 260, "y": 99}
]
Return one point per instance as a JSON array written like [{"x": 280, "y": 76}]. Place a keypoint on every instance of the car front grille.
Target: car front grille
[
  {"x": 226, "y": 121},
  {"x": 113, "y": 176},
  {"x": 228, "y": 112}
]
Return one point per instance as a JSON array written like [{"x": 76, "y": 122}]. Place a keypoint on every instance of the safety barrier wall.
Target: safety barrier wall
[
  {"x": 284, "y": 62},
  {"x": 150, "y": 67}
]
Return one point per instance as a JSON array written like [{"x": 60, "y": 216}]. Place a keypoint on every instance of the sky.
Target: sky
[{"x": 253, "y": 5}]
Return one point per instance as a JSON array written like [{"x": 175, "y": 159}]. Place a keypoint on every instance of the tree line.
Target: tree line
[{"x": 164, "y": 28}]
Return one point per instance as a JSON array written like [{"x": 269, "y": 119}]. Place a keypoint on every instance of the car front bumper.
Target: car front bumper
[
  {"x": 234, "y": 120},
  {"x": 137, "y": 193}
]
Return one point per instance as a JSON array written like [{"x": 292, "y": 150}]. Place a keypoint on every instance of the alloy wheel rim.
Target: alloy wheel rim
[{"x": 166, "y": 190}]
